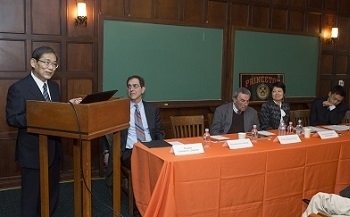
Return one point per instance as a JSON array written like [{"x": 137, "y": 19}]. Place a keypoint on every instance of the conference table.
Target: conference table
[{"x": 268, "y": 179}]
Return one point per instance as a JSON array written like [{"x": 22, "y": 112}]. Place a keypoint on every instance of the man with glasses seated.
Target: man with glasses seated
[
  {"x": 235, "y": 117},
  {"x": 150, "y": 129},
  {"x": 329, "y": 110},
  {"x": 145, "y": 125}
]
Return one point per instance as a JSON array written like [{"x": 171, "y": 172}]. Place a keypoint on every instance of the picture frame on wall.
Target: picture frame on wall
[{"x": 259, "y": 84}]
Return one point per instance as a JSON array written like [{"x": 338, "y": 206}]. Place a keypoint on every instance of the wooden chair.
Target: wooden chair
[
  {"x": 187, "y": 126},
  {"x": 346, "y": 119},
  {"x": 210, "y": 119},
  {"x": 320, "y": 214},
  {"x": 303, "y": 115}
]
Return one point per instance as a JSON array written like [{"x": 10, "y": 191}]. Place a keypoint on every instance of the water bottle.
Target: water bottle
[
  {"x": 299, "y": 128},
  {"x": 282, "y": 129},
  {"x": 206, "y": 138},
  {"x": 290, "y": 129},
  {"x": 254, "y": 135}
]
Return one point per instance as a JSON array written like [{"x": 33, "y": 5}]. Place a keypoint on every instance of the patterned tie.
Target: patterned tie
[
  {"x": 45, "y": 93},
  {"x": 140, "y": 133}
]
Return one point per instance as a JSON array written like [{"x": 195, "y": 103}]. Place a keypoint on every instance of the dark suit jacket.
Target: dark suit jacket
[
  {"x": 156, "y": 132},
  {"x": 153, "y": 121},
  {"x": 320, "y": 115},
  {"x": 27, "y": 145}
]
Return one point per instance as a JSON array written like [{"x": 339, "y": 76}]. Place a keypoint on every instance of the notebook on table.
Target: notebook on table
[
  {"x": 156, "y": 144},
  {"x": 98, "y": 97}
]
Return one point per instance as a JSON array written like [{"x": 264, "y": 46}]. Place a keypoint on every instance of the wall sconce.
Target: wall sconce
[
  {"x": 334, "y": 35},
  {"x": 81, "y": 18}
]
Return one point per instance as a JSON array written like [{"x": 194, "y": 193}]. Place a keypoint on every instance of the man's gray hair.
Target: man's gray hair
[{"x": 242, "y": 90}]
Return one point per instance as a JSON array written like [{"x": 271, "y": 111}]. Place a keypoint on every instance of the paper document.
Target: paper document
[
  {"x": 337, "y": 127},
  {"x": 265, "y": 133},
  {"x": 219, "y": 137},
  {"x": 316, "y": 129},
  {"x": 175, "y": 143}
]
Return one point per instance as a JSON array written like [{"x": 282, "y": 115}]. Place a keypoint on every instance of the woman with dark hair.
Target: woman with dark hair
[{"x": 274, "y": 111}]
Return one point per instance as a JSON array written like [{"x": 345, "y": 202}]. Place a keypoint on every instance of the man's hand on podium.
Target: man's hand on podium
[{"x": 76, "y": 100}]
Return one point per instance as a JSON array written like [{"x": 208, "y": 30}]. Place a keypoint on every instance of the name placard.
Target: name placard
[
  {"x": 288, "y": 139},
  {"x": 328, "y": 134},
  {"x": 196, "y": 148},
  {"x": 239, "y": 143}
]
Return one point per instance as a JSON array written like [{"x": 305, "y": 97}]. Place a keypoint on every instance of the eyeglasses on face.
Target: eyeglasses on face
[
  {"x": 133, "y": 86},
  {"x": 49, "y": 63}
]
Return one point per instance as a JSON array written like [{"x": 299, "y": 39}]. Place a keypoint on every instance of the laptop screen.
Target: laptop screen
[{"x": 98, "y": 97}]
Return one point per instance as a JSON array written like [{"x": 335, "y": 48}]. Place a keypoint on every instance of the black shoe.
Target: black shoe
[
  {"x": 306, "y": 201},
  {"x": 125, "y": 184}
]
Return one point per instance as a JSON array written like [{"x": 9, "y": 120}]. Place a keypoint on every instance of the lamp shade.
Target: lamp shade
[
  {"x": 81, "y": 8},
  {"x": 334, "y": 33}
]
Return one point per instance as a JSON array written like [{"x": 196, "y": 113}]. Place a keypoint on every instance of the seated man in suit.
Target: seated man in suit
[
  {"x": 330, "y": 204},
  {"x": 235, "y": 117},
  {"x": 145, "y": 123},
  {"x": 329, "y": 110}
]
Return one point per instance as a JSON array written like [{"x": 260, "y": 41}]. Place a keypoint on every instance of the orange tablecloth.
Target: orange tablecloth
[{"x": 268, "y": 179}]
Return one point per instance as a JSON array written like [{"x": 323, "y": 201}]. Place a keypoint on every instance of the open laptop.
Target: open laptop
[{"x": 98, "y": 97}]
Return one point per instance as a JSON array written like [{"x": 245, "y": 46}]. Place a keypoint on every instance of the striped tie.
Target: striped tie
[
  {"x": 45, "y": 93},
  {"x": 140, "y": 133}
]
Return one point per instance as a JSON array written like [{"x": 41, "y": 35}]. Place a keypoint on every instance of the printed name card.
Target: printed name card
[
  {"x": 239, "y": 143},
  {"x": 196, "y": 148},
  {"x": 328, "y": 134},
  {"x": 288, "y": 139}
]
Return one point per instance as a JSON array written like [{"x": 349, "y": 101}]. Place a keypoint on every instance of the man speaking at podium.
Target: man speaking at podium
[{"x": 35, "y": 86}]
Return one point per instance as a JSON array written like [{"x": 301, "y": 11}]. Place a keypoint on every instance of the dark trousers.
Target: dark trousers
[
  {"x": 30, "y": 190},
  {"x": 126, "y": 158}
]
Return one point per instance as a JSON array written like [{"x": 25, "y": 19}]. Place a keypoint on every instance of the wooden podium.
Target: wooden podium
[{"x": 83, "y": 122}]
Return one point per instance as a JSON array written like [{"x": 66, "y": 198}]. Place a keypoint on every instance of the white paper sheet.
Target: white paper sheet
[
  {"x": 337, "y": 127},
  {"x": 265, "y": 133},
  {"x": 218, "y": 137},
  {"x": 175, "y": 143}
]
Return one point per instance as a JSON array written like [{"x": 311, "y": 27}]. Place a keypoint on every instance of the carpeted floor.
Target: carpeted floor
[{"x": 101, "y": 201}]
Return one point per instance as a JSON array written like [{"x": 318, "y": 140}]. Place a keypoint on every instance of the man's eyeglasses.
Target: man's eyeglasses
[
  {"x": 134, "y": 86},
  {"x": 48, "y": 63}
]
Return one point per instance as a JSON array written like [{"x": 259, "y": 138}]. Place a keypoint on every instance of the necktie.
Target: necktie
[
  {"x": 45, "y": 93},
  {"x": 140, "y": 133}
]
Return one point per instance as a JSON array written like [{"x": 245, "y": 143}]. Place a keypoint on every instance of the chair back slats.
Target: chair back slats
[
  {"x": 303, "y": 115},
  {"x": 187, "y": 126}
]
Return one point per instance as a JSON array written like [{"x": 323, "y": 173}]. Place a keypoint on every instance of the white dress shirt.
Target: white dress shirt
[{"x": 132, "y": 137}]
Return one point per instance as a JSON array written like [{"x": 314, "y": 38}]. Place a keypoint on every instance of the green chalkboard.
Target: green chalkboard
[
  {"x": 177, "y": 62},
  {"x": 294, "y": 55}
]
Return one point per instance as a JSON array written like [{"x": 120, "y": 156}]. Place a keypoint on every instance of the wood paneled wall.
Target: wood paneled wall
[{"x": 27, "y": 24}]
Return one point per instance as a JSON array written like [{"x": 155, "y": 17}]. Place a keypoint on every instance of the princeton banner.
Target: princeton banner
[{"x": 259, "y": 84}]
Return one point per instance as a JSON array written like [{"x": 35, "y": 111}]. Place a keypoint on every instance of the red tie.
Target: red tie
[{"x": 140, "y": 133}]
